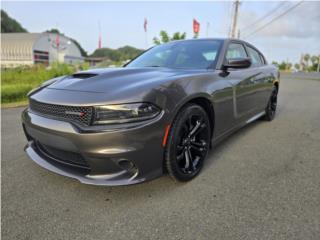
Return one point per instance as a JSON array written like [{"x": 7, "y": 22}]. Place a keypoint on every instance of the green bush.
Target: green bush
[
  {"x": 14, "y": 93},
  {"x": 17, "y": 82}
]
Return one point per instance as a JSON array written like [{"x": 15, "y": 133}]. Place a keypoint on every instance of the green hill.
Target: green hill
[
  {"x": 9, "y": 25},
  {"x": 120, "y": 54}
]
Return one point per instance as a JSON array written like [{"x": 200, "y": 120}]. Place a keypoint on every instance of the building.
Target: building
[{"x": 31, "y": 48}]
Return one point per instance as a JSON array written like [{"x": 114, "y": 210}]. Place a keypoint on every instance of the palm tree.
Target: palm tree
[
  {"x": 306, "y": 58},
  {"x": 314, "y": 59}
]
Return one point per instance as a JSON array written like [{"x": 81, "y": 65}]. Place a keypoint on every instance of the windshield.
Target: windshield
[{"x": 184, "y": 54}]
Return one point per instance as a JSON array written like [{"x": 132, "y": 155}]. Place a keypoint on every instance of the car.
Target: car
[{"x": 160, "y": 113}]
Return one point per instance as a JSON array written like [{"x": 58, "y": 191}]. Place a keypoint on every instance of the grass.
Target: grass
[{"x": 17, "y": 82}]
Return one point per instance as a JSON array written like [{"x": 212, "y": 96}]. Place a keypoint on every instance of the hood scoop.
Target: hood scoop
[{"x": 83, "y": 75}]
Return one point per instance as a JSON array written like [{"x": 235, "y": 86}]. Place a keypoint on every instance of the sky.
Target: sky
[{"x": 122, "y": 22}]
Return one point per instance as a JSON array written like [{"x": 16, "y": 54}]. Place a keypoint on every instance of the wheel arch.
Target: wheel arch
[{"x": 204, "y": 101}]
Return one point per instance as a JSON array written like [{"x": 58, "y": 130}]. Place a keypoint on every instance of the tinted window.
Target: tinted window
[
  {"x": 236, "y": 50},
  {"x": 255, "y": 57},
  {"x": 262, "y": 60},
  {"x": 184, "y": 54}
]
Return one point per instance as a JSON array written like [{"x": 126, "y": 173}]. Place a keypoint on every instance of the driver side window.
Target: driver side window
[{"x": 236, "y": 50}]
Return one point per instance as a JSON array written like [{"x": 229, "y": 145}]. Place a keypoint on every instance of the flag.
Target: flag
[
  {"x": 196, "y": 26},
  {"x": 58, "y": 40},
  {"x": 145, "y": 24}
]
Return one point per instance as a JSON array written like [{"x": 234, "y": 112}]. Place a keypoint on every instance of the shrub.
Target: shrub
[{"x": 17, "y": 82}]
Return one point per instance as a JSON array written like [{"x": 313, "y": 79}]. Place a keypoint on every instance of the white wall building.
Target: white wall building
[{"x": 30, "y": 48}]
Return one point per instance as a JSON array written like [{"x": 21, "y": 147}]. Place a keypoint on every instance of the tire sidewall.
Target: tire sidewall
[{"x": 170, "y": 152}]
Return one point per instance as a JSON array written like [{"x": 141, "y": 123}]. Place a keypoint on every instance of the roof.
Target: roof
[{"x": 18, "y": 40}]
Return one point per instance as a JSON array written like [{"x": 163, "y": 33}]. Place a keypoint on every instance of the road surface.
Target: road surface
[{"x": 263, "y": 182}]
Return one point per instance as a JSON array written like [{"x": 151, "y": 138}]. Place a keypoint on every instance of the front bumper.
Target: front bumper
[{"x": 112, "y": 156}]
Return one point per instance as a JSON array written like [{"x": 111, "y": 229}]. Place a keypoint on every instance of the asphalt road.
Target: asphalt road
[{"x": 261, "y": 183}]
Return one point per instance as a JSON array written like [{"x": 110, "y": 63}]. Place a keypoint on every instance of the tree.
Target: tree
[
  {"x": 164, "y": 37},
  {"x": 306, "y": 58},
  {"x": 116, "y": 55},
  {"x": 297, "y": 66},
  {"x": 82, "y": 51},
  {"x": 178, "y": 36},
  {"x": 314, "y": 60},
  {"x": 282, "y": 65},
  {"x": 288, "y": 66},
  {"x": 10, "y": 25}
]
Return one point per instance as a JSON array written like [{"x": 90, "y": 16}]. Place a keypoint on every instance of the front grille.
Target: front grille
[
  {"x": 62, "y": 156},
  {"x": 82, "y": 115}
]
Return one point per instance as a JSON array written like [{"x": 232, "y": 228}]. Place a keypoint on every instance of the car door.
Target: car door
[
  {"x": 244, "y": 82},
  {"x": 261, "y": 81}
]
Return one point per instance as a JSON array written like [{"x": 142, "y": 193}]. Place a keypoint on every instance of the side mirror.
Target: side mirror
[{"x": 237, "y": 63}]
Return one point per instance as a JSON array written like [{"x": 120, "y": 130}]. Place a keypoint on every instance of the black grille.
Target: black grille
[
  {"x": 82, "y": 115},
  {"x": 67, "y": 157}
]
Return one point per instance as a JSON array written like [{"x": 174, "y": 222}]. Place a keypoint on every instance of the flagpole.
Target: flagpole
[
  {"x": 57, "y": 42},
  {"x": 100, "y": 41},
  {"x": 146, "y": 39},
  {"x": 145, "y": 27}
]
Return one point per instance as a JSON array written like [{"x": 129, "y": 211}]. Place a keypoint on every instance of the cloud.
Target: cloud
[{"x": 301, "y": 22}]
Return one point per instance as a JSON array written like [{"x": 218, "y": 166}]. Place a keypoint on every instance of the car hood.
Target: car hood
[{"x": 116, "y": 79}]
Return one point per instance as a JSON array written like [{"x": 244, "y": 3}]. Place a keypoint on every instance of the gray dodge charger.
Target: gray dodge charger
[{"x": 161, "y": 112}]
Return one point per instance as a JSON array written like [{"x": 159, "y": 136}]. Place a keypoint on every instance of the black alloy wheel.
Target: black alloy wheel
[
  {"x": 272, "y": 105},
  {"x": 188, "y": 143}
]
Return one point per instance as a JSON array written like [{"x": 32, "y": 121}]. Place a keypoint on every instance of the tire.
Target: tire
[
  {"x": 272, "y": 105},
  {"x": 188, "y": 143}
]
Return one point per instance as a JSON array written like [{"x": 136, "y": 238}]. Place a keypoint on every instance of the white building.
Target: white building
[{"x": 30, "y": 48}]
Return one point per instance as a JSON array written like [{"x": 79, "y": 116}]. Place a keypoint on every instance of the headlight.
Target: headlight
[{"x": 124, "y": 113}]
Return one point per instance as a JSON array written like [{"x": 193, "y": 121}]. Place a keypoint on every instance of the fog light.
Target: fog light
[{"x": 126, "y": 165}]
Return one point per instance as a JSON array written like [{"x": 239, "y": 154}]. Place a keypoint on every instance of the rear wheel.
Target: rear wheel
[
  {"x": 272, "y": 105},
  {"x": 188, "y": 143}
]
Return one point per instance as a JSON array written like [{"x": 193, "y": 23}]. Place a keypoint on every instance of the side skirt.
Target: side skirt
[{"x": 215, "y": 141}]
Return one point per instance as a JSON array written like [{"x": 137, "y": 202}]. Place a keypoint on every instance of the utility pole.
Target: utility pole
[
  {"x": 318, "y": 70},
  {"x": 235, "y": 18}
]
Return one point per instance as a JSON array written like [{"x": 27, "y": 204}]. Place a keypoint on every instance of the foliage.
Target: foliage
[
  {"x": 308, "y": 64},
  {"x": 10, "y": 25},
  {"x": 297, "y": 66},
  {"x": 117, "y": 55},
  {"x": 164, "y": 37},
  {"x": 17, "y": 82},
  {"x": 82, "y": 51}
]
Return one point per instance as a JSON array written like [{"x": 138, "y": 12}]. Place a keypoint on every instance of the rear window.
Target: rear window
[{"x": 255, "y": 57}]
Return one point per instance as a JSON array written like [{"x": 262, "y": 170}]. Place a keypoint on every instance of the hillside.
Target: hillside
[
  {"x": 9, "y": 25},
  {"x": 120, "y": 54}
]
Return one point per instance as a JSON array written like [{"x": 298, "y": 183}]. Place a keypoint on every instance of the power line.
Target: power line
[
  {"x": 276, "y": 18},
  {"x": 268, "y": 14}
]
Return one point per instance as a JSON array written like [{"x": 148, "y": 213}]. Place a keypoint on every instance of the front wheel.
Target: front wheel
[
  {"x": 272, "y": 105},
  {"x": 188, "y": 143}
]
